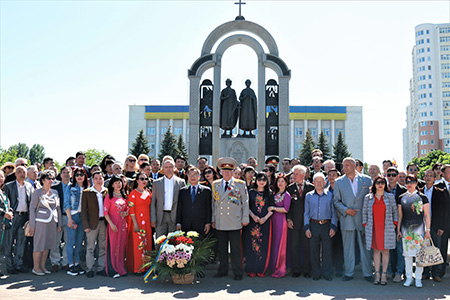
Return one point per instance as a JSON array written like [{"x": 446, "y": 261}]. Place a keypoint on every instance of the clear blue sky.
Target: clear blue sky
[{"x": 70, "y": 69}]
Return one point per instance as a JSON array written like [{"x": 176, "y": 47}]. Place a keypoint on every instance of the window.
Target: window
[
  {"x": 431, "y": 113},
  {"x": 443, "y": 39},
  {"x": 429, "y": 76},
  {"x": 313, "y": 131},
  {"x": 422, "y": 96},
  {"x": 446, "y": 112},
  {"x": 423, "y": 151},
  {"x": 152, "y": 146},
  {"x": 424, "y": 132},
  {"x": 424, "y": 142},
  {"x": 339, "y": 130},
  {"x": 432, "y": 142},
  {"x": 431, "y": 123},
  {"x": 444, "y": 30},
  {"x": 431, "y": 132},
  {"x": 430, "y": 85},
  {"x": 447, "y": 122},
  {"x": 445, "y": 57},
  {"x": 178, "y": 130},
  {"x": 446, "y": 104},
  {"x": 298, "y": 131},
  {"x": 423, "y": 123},
  {"x": 151, "y": 131},
  {"x": 421, "y": 59},
  {"x": 163, "y": 130},
  {"x": 444, "y": 48},
  {"x": 428, "y": 31},
  {"x": 326, "y": 131},
  {"x": 446, "y": 75},
  {"x": 423, "y": 114},
  {"x": 445, "y": 94},
  {"x": 445, "y": 85},
  {"x": 429, "y": 67},
  {"x": 429, "y": 58},
  {"x": 298, "y": 146},
  {"x": 445, "y": 66},
  {"x": 447, "y": 131}
]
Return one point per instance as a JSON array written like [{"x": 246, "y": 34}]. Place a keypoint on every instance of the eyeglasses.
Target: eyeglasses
[
  {"x": 79, "y": 175},
  {"x": 380, "y": 182},
  {"x": 208, "y": 172},
  {"x": 51, "y": 178},
  {"x": 9, "y": 167},
  {"x": 131, "y": 160},
  {"x": 23, "y": 165},
  {"x": 413, "y": 170},
  {"x": 261, "y": 179},
  {"x": 143, "y": 159},
  {"x": 265, "y": 170},
  {"x": 143, "y": 178},
  {"x": 411, "y": 181},
  {"x": 391, "y": 175}
]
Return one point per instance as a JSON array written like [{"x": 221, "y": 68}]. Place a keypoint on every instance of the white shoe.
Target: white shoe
[
  {"x": 408, "y": 282},
  {"x": 419, "y": 283},
  {"x": 37, "y": 273}
]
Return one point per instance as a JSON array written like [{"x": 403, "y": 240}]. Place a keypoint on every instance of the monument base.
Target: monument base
[{"x": 238, "y": 148}]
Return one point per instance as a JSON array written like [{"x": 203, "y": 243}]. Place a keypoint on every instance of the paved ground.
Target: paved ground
[{"x": 62, "y": 286}]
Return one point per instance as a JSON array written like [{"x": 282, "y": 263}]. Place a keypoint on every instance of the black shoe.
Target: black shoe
[
  {"x": 316, "y": 278},
  {"x": 80, "y": 269},
  {"x": 306, "y": 275},
  {"x": 12, "y": 271},
  {"x": 218, "y": 275},
  {"x": 22, "y": 269},
  {"x": 369, "y": 278},
  {"x": 347, "y": 278},
  {"x": 328, "y": 278},
  {"x": 90, "y": 274},
  {"x": 72, "y": 271},
  {"x": 295, "y": 275},
  {"x": 101, "y": 273},
  {"x": 238, "y": 277}
]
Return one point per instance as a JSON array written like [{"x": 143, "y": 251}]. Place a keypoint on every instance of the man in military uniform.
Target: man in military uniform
[{"x": 229, "y": 215}]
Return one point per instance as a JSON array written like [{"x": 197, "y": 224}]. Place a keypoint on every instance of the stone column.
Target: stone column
[
  {"x": 333, "y": 130},
  {"x": 284, "y": 141},
  {"x": 216, "y": 111},
  {"x": 194, "y": 118},
  {"x": 292, "y": 147},
  {"x": 261, "y": 114},
  {"x": 158, "y": 138}
]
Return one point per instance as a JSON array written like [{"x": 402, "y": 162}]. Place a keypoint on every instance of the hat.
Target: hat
[
  {"x": 226, "y": 163},
  {"x": 272, "y": 160},
  {"x": 8, "y": 164}
]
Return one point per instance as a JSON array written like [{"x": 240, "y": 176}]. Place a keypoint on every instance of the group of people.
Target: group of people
[{"x": 308, "y": 220}]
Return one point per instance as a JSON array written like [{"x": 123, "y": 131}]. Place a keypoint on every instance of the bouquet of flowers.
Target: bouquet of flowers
[{"x": 179, "y": 254}]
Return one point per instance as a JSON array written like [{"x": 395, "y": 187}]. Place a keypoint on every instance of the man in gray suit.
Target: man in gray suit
[
  {"x": 19, "y": 194},
  {"x": 348, "y": 197},
  {"x": 164, "y": 205}
]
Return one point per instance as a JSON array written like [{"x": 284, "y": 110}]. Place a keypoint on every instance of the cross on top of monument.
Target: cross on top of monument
[{"x": 240, "y": 3}]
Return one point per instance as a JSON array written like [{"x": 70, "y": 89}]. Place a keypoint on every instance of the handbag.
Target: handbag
[{"x": 429, "y": 255}]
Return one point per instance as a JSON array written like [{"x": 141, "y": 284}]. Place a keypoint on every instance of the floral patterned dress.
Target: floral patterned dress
[
  {"x": 258, "y": 239},
  {"x": 116, "y": 241},
  {"x": 413, "y": 224}
]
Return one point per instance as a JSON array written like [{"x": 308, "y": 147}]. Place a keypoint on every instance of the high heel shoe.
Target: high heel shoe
[
  {"x": 383, "y": 275},
  {"x": 377, "y": 278}
]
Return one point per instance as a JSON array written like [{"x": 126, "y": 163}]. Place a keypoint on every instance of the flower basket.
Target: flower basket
[
  {"x": 180, "y": 256},
  {"x": 183, "y": 279}
]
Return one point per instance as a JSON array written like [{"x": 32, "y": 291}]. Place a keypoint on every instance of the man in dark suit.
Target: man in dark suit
[
  {"x": 19, "y": 162},
  {"x": 80, "y": 159},
  {"x": 180, "y": 163},
  {"x": 63, "y": 188},
  {"x": 194, "y": 205},
  {"x": 294, "y": 217},
  {"x": 19, "y": 194}
]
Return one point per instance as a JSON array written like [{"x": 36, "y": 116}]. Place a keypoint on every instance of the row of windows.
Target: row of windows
[
  {"x": 423, "y": 68},
  {"x": 425, "y": 142},
  {"x": 446, "y": 112},
  {"x": 424, "y": 104},
  {"x": 446, "y": 122},
  {"x": 176, "y": 130},
  {"x": 424, "y": 77},
  {"x": 422, "y": 59},
  {"x": 446, "y": 104},
  {"x": 447, "y": 131},
  {"x": 445, "y": 39},
  {"x": 422, "y": 50},
  {"x": 445, "y": 57},
  {"x": 424, "y": 114},
  {"x": 421, "y": 32},
  {"x": 422, "y": 41},
  {"x": 424, "y": 95},
  {"x": 445, "y": 94},
  {"x": 444, "y": 30},
  {"x": 425, "y": 123},
  {"x": 446, "y": 85},
  {"x": 445, "y": 48},
  {"x": 425, "y": 132},
  {"x": 445, "y": 66},
  {"x": 326, "y": 131},
  {"x": 446, "y": 75}
]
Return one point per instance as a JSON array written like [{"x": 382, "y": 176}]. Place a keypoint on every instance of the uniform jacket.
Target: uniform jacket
[{"x": 230, "y": 208}]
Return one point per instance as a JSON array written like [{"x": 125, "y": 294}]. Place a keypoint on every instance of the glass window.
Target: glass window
[
  {"x": 431, "y": 132},
  {"x": 423, "y": 151},
  {"x": 178, "y": 130},
  {"x": 326, "y": 131},
  {"x": 163, "y": 130},
  {"x": 298, "y": 131},
  {"x": 339, "y": 130},
  {"x": 431, "y": 123},
  {"x": 432, "y": 142},
  {"x": 313, "y": 131},
  {"x": 151, "y": 131}
]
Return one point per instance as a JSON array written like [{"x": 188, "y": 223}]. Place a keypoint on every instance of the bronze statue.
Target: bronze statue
[
  {"x": 228, "y": 109},
  {"x": 248, "y": 103}
]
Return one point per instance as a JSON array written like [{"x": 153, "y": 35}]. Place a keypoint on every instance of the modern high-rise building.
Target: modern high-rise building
[{"x": 428, "y": 115}]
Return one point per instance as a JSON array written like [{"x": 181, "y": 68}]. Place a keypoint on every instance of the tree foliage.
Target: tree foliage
[
  {"x": 323, "y": 146},
  {"x": 308, "y": 146},
  {"x": 94, "y": 156},
  {"x": 181, "y": 146},
  {"x": 140, "y": 144},
  {"x": 426, "y": 162},
  {"x": 21, "y": 149},
  {"x": 168, "y": 145},
  {"x": 340, "y": 149},
  {"x": 8, "y": 155},
  {"x": 37, "y": 154}
]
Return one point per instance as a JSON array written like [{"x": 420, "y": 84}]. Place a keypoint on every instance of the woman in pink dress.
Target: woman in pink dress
[
  {"x": 279, "y": 227},
  {"x": 116, "y": 214}
]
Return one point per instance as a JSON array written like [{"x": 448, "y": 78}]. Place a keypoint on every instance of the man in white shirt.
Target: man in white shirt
[{"x": 165, "y": 200}]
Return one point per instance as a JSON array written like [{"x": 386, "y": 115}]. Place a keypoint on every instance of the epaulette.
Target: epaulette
[{"x": 239, "y": 181}]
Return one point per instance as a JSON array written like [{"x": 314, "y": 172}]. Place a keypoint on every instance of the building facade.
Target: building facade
[
  {"x": 156, "y": 119},
  {"x": 428, "y": 115}
]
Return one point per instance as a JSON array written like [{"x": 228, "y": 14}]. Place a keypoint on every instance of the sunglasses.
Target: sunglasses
[
  {"x": 143, "y": 159},
  {"x": 261, "y": 179},
  {"x": 380, "y": 182},
  {"x": 23, "y": 165},
  {"x": 208, "y": 172},
  {"x": 265, "y": 170},
  {"x": 413, "y": 170},
  {"x": 79, "y": 175},
  {"x": 411, "y": 181},
  {"x": 391, "y": 175},
  {"x": 51, "y": 178},
  {"x": 131, "y": 160},
  {"x": 9, "y": 167},
  {"x": 143, "y": 178}
]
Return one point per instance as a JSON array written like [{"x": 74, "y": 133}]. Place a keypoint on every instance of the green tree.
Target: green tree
[
  {"x": 308, "y": 146},
  {"x": 94, "y": 156},
  {"x": 22, "y": 150},
  {"x": 140, "y": 144},
  {"x": 182, "y": 149},
  {"x": 426, "y": 162},
  {"x": 8, "y": 155},
  {"x": 340, "y": 149},
  {"x": 323, "y": 146},
  {"x": 37, "y": 154},
  {"x": 168, "y": 145}
]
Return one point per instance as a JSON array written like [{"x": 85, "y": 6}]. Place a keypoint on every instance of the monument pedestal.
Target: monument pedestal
[{"x": 238, "y": 148}]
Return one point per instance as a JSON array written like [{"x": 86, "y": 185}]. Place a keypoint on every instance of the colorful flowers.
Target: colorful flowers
[{"x": 177, "y": 251}]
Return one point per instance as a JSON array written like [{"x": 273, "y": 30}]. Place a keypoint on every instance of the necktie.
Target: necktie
[
  {"x": 193, "y": 194},
  {"x": 300, "y": 191},
  {"x": 226, "y": 186}
]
